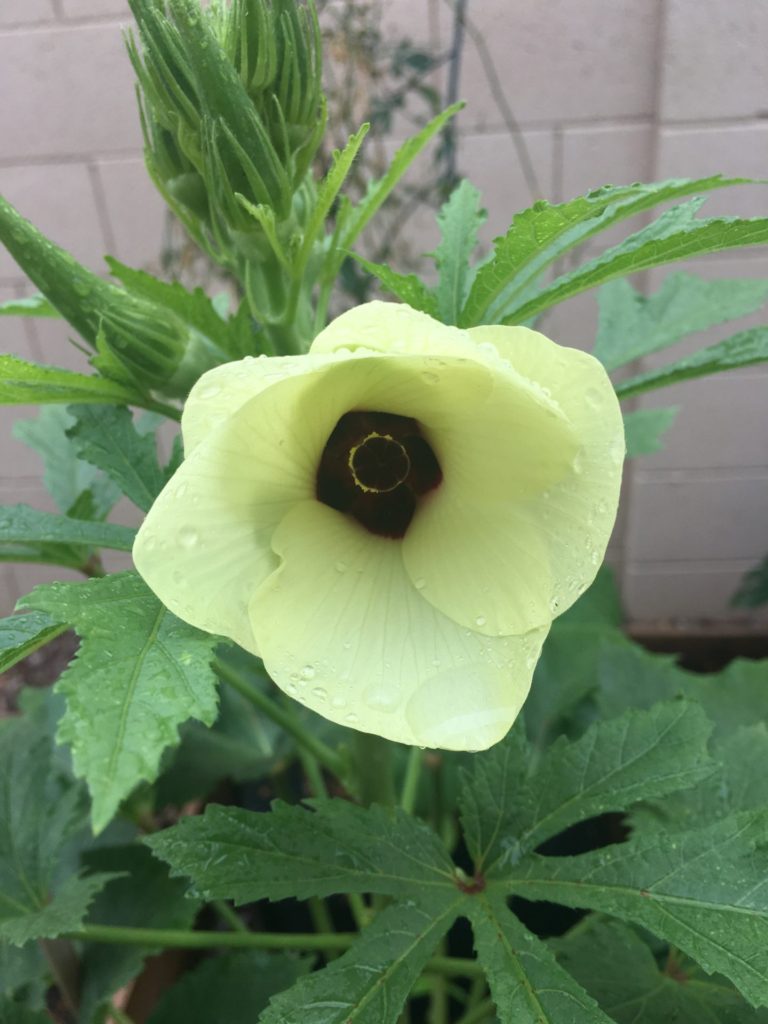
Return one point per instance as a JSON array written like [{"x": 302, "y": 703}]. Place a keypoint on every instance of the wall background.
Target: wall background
[{"x": 603, "y": 91}]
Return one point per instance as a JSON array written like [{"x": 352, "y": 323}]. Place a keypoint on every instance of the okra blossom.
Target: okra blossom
[{"x": 392, "y": 521}]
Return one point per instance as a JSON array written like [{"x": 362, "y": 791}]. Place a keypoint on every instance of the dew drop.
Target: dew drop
[
  {"x": 351, "y": 718},
  {"x": 210, "y": 392},
  {"x": 188, "y": 537},
  {"x": 381, "y": 700},
  {"x": 554, "y": 604},
  {"x": 181, "y": 490},
  {"x": 307, "y": 673},
  {"x": 319, "y": 693},
  {"x": 291, "y": 688},
  {"x": 480, "y": 620},
  {"x": 420, "y": 583},
  {"x": 593, "y": 398},
  {"x": 339, "y": 702}
]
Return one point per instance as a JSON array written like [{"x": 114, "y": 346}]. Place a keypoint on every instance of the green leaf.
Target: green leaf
[
  {"x": 753, "y": 590},
  {"x": 643, "y": 429},
  {"x": 379, "y": 190},
  {"x": 734, "y": 786},
  {"x": 23, "y": 976},
  {"x": 20, "y": 635},
  {"x": 66, "y": 476},
  {"x": 106, "y": 437},
  {"x": 615, "y": 764},
  {"x": 743, "y": 349},
  {"x": 21, "y": 524},
  {"x": 619, "y": 970},
  {"x": 138, "y": 675},
  {"x": 705, "y": 892},
  {"x": 327, "y": 191},
  {"x": 242, "y": 745},
  {"x": 371, "y": 981},
  {"x": 527, "y": 984},
  {"x": 22, "y": 383},
  {"x": 632, "y": 325},
  {"x": 459, "y": 221},
  {"x": 39, "y": 812},
  {"x": 406, "y": 287},
  {"x": 12, "y": 1012},
  {"x": 144, "y": 897},
  {"x": 230, "y": 853},
  {"x": 628, "y": 676},
  {"x": 543, "y": 233},
  {"x": 676, "y": 235},
  {"x": 32, "y": 305},
  {"x": 565, "y": 677},
  {"x": 232, "y": 989}
]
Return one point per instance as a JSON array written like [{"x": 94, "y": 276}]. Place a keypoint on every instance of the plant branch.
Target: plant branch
[{"x": 179, "y": 939}]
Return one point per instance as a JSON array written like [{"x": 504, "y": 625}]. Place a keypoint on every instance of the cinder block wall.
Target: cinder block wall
[{"x": 602, "y": 91}]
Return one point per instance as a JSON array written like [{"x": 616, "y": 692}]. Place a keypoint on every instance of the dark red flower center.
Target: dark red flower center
[{"x": 375, "y": 467}]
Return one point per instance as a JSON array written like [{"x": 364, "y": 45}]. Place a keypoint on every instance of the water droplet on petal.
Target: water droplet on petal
[
  {"x": 420, "y": 583},
  {"x": 381, "y": 700},
  {"x": 181, "y": 490},
  {"x": 351, "y": 718},
  {"x": 210, "y": 392},
  {"x": 319, "y": 693},
  {"x": 188, "y": 537},
  {"x": 593, "y": 398},
  {"x": 480, "y": 620},
  {"x": 307, "y": 673},
  {"x": 339, "y": 702}
]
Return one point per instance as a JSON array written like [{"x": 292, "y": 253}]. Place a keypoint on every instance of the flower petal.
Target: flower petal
[
  {"x": 342, "y": 629},
  {"x": 205, "y": 545},
  {"x": 503, "y": 560},
  {"x": 392, "y": 328},
  {"x": 223, "y": 390},
  {"x": 476, "y": 546}
]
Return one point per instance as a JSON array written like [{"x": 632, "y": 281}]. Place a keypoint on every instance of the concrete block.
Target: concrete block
[
  {"x": 136, "y": 211},
  {"x": 722, "y": 423},
  {"x": 59, "y": 200},
  {"x": 680, "y": 517},
  {"x": 714, "y": 59},
  {"x": 738, "y": 150},
  {"x": 562, "y": 62},
  {"x": 685, "y": 593},
  {"x": 73, "y": 93},
  {"x": 25, "y": 12},
  {"x": 96, "y": 9},
  {"x": 490, "y": 161}
]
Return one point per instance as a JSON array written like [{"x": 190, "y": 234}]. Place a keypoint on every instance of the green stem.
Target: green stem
[
  {"x": 372, "y": 760},
  {"x": 173, "y": 939},
  {"x": 327, "y": 757},
  {"x": 478, "y": 1013},
  {"x": 230, "y": 916},
  {"x": 179, "y": 939},
  {"x": 438, "y": 1000},
  {"x": 411, "y": 780},
  {"x": 170, "y": 411}
]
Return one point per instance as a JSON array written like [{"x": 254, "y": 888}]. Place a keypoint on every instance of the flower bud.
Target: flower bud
[
  {"x": 159, "y": 350},
  {"x": 231, "y": 105}
]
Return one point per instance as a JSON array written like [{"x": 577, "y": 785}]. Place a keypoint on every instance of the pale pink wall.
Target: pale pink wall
[{"x": 603, "y": 91}]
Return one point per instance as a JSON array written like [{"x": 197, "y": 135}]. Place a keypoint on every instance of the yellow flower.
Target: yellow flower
[{"x": 393, "y": 520}]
